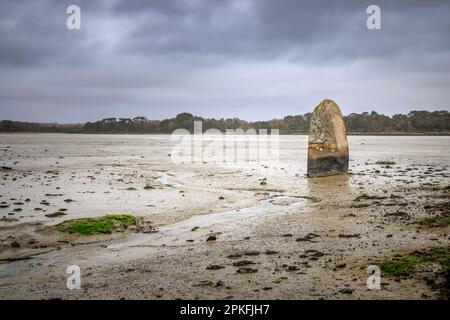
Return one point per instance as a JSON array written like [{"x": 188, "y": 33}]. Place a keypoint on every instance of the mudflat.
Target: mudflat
[{"x": 227, "y": 231}]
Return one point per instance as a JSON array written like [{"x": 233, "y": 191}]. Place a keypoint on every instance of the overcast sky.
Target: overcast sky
[{"x": 252, "y": 59}]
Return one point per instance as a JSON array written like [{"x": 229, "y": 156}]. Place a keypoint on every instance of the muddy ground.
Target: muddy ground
[{"x": 206, "y": 231}]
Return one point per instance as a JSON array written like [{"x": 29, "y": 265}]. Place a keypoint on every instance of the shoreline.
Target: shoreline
[{"x": 412, "y": 134}]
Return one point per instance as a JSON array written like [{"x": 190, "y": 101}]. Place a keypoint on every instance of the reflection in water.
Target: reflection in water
[{"x": 329, "y": 186}]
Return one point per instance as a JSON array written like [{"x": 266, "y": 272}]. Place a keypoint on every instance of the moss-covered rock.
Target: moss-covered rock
[
  {"x": 99, "y": 225},
  {"x": 436, "y": 222},
  {"x": 406, "y": 265}
]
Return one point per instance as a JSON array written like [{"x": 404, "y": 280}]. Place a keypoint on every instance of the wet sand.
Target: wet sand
[{"x": 278, "y": 234}]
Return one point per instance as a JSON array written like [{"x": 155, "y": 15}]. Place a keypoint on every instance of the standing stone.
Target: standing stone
[{"x": 327, "y": 146}]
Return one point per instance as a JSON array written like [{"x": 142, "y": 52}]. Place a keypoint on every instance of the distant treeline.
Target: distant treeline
[
  {"x": 19, "y": 126},
  {"x": 437, "y": 122}
]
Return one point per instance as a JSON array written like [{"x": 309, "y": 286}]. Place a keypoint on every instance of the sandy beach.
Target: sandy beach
[{"x": 273, "y": 233}]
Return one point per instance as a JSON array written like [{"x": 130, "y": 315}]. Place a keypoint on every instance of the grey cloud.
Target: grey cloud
[{"x": 248, "y": 58}]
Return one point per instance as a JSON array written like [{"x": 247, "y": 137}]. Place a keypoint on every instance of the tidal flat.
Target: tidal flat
[{"x": 247, "y": 230}]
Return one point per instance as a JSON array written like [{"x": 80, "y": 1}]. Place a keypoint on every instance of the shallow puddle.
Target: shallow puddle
[{"x": 266, "y": 207}]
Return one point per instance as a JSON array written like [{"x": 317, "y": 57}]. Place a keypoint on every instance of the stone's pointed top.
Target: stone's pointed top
[
  {"x": 329, "y": 105},
  {"x": 327, "y": 101}
]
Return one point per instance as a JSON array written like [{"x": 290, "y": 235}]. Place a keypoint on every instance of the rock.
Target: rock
[
  {"x": 308, "y": 237},
  {"x": 150, "y": 231},
  {"x": 211, "y": 238},
  {"x": 354, "y": 235},
  {"x": 56, "y": 214},
  {"x": 396, "y": 214},
  {"x": 214, "y": 267},
  {"x": 242, "y": 263},
  {"x": 346, "y": 291},
  {"x": 327, "y": 146},
  {"x": 15, "y": 244},
  {"x": 246, "y": 270},
  {"x": 250, "y": 253},
  {"x": 291, "y": 268},
  {"x": 315, "y": 253}
]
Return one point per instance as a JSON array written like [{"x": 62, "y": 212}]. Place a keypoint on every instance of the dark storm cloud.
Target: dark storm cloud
[{"x": 247, "y": 58}]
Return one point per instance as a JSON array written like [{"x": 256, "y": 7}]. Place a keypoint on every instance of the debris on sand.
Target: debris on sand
[
  {"x": 290, "y": 268},
  {"x": 150, "y": 231},
  {"x": 5, "y": 219},
  {"x": 314, "y": 254},
  {"x": 309, "y": 237},
  {"x": 246, "y": 270},
  {"x": 214, "y": 267},
  {"x": 354, "y": 235},
  {"x": 55, "y": 214},
  {"x": 360, "y": 205},
  {"x": 385, "y": 162},
  {"x": 346, "y": 291},
  {"x": 243, "y": 253},
  {"x": 367, "y": 197},
  {"x": 15, "y": 244},
  {"x": 397, "y": 214},
  {"x": 242, "y": 263}
]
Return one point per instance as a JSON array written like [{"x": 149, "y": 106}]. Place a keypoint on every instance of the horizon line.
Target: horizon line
[{"x": 214, "y": 118}]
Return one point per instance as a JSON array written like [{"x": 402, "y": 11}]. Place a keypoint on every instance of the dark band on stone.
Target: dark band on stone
[{"x": 327, "y": 166}]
